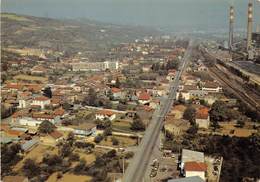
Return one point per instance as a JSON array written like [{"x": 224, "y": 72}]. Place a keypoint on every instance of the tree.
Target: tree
[
  {"x": 47, "y": 92},
  {"x": 31, "y": 168},
  {"x": 193, "y": 129},
  {"x": 115, "y": 141},
  {"x": 181, "y": 99},
  {"x": 98, "y": 138},
  {"x": 66, "y": 106},
  {"x": 137, "y": 124},
  {"x": 241, "y": 122},
  {"x": 46, "y": 127},
  {"x": 71, "y": 138},
  {"x": 218, "y": 111},
  {"x": 91, "y": 98},
  {"x": 189, "y": 114},
  {"x": 80, "y": 167},
  {"x": 107, "y": 131},
  {"x": 215, "y": 125},
  {"x": 117, "y": 85},
  {"x": 65, "y": 150}
]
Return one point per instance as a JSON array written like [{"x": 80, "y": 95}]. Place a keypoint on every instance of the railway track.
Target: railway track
[{"x": 244, "y": 97}]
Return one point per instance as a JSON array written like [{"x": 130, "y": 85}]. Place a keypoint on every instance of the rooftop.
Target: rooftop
[
  {"x": 192, "y": 156},
  {"x": 195, "y": 166}
]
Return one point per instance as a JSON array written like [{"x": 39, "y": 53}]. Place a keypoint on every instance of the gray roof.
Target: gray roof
[
  {"x": 190, "y": 155},
  {"x": 188, "y": 179},
  {"x": 29, "y": 144}
]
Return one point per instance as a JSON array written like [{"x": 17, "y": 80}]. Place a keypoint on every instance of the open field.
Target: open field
[
  {"x": 68, "y": 177},
  {"x": 123, "y": 141},
  {"x": 121, "y": 125},
  {"x": 36, "y": 153},
  {"x": 30, "y": 78}
]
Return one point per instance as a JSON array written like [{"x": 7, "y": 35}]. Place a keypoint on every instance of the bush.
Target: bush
[
  {"x": 74, "y": 157},
  {"x": 115, "y": 141},
  {"x": 98, "y": 138}
]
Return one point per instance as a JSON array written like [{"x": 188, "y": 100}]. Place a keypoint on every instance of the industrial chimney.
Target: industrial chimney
[
  {"x": 249, "y": 25},
  {"x": 231, "y": 27}
]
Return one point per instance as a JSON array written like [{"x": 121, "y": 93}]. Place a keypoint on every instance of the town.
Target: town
[{"x": 174, "y": 106}]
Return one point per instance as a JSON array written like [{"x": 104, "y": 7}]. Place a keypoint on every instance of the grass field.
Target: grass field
[
  {"x": 121, "y": 125},
  {"x": 30, "y": 78},
  {"x": 123, "y": 141},
  {"x": 68, "y": 177},
  {"x": 36, "y": 153}
]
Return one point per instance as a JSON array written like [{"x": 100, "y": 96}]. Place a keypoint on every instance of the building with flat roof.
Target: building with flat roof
[{"x": 95, "y": 66}]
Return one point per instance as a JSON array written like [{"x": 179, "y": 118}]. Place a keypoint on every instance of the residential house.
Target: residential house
[
  {"x": 54, "y": 119},
  {"x": 195, "y": 169},
  {"x": 86, "y": 130},
  {"x": 24, "y": 99},
  {"x": 193, "y": 163},
  {"x": 117, "y": 93},
  {"x": 41, "y": 101},
  {"x": 105, "y": 114},
  {"x": 28, "y": 121},
  {"x": 211, "y": 87},
  {"x": 144, "y": 98},
  {"x": 52, "y": 139},
  {"x": 202, "y": 117}
]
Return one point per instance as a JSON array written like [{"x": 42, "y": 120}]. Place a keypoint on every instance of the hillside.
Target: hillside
[{"x": 70, "y": 36}]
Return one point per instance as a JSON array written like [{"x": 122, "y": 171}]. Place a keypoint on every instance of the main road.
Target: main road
[{"x": 137, "y": 167}]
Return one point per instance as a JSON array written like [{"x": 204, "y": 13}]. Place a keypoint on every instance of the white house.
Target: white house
[
  {"x": 28, "y": 121},
  {"x": 211, "y": 87},
  {"x": 195, "y": 169},
  {"x": 193, "y": 163},
  {"x": 105, "y": 114},
  {"x": 144, "y": 98},
  {"x": 41, "y": 101},
  {"x": 117, "y": 93},
  {"x": 202, "y": 117}
]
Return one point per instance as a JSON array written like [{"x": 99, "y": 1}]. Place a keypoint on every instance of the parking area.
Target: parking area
[{"x": 164, "y": 167}]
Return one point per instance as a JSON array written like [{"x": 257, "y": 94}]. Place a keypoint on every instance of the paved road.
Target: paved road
[{"x": 137, "y": 167}]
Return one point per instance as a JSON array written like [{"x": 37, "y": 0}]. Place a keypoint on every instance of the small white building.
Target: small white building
[
  {"x": 195, "y": 169},
  {"x": 211, "y": 87},
  {"x": 193, "y": 164},
  {"x": 202, "y": 117},
  {"x": 28, "y": 121},
  {"x": 41, "y": 101},
  {"x": 105, "y": 114}
]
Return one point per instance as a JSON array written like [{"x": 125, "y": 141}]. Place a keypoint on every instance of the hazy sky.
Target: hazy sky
[{"x": 171, "y": 14}]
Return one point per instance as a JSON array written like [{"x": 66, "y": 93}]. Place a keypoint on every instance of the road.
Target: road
[{"x": 137, "y": 167}]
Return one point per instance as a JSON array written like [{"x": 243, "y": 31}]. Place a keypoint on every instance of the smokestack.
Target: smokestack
[
  {"x": 249, "y": 25},
  {"x": 231, "y": 27}
]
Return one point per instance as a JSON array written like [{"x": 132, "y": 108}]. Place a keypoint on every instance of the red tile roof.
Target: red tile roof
[
  {"x": 16, "y": 86},
  {"x": 144, "y": 96},
  {"x": 106, "y": 112},
  {"x": 195, "y": 166},
  {"x": 41, "y": 98},
  {"x": 55, "y": 134},
  {"x": 115, "y": 90},
  {"x": 42, "y": 116},
  {"x": 202, "y": 113},
  {"x": 59, "y": 112}
]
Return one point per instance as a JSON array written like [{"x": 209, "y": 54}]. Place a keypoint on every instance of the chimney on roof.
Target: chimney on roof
[
  {"x": 231, "y": 27},
  {"x": 249, "y": 25}
]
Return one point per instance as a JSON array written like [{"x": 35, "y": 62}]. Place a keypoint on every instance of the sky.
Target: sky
[{"x": 173, "y": 15}]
